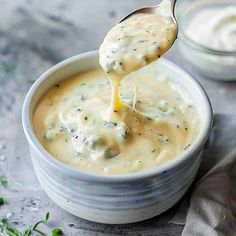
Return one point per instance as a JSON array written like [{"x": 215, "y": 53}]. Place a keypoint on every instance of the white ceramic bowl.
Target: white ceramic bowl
[{"x": 115, "y": 199}]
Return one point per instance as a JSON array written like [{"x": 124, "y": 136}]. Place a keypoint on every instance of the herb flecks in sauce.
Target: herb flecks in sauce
[
  {"x": 99, "y": 145},
  {"x": 138, "y": 40}
]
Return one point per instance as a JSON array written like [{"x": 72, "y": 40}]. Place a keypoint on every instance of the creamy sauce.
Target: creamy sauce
[
  {"x": 214, "y": 27},
  {"x": 138, "y": 40},
  {"x": 156, "y": 124},
  {"x": 124, "y": 126}
]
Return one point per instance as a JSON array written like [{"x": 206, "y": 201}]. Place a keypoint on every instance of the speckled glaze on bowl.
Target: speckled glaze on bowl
[{"x": 115, "y": 199}]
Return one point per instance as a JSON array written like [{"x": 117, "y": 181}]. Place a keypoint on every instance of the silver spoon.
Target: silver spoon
[{"x": 153, "y": 10}]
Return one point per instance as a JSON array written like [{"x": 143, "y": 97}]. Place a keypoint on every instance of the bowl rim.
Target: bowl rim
[
  {"x": 77, "y": 174},
  {"x": 200, "y": 47}
]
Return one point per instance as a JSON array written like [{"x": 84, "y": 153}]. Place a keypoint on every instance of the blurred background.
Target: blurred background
[{"x": 34, "y": 35}]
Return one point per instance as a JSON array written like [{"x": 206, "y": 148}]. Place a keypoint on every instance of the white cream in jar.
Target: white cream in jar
[{"x": 214, "y": 27}]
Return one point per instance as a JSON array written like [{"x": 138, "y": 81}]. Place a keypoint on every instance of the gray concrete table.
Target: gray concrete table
[{"x": 34, "y": 35}]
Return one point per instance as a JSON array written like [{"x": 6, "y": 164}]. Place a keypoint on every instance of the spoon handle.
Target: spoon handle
[{"x": 173, "y": 3}]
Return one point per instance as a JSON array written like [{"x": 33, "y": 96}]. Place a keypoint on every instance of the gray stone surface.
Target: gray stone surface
[{"x": 34, "y": 35}]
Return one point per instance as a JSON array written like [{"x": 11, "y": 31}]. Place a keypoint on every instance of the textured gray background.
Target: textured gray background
[{"x": 35, "y": 35}]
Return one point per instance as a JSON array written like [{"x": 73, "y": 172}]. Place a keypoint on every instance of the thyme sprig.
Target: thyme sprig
[{"x": 12, "y": 231}]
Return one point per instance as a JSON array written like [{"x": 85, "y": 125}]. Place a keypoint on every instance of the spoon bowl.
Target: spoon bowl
[{"x": 154, "y": 10}]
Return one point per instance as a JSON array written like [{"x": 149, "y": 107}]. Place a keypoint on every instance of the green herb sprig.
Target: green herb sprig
[{"x": 12, "y": 231}]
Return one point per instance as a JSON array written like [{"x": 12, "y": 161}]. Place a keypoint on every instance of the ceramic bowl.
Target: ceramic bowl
[{"x": 115, "y": 199}]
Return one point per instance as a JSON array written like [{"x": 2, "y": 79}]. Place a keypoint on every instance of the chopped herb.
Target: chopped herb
[
  {"x": 76, "y": 154},
  {"x": 121, "y": 63},
  {"x": 142, "y": 41},
  {"x": 81, "y": 97},
  {"x": 57, "y": 85},
  {"x": 85, "y": 118},
  {"x": 177, "y": 126},
  {"x": 2, "y": 201},
  {"x": 135, "y": 49},
  {"x": 148, "y": 31},
  {"x": 78, "y": 109},
  {"x": 167, "y": 140},
  {"x": 61, "y": 129},
  {"x": 3, "y": 181},
  {"x": 146, "y": 59},
  {"x": 139, "y": 101},
  {"x": 186, "y": 128},
  {"x": 83, "y": 84},
  {"x": 125, "y": 134},
  {"x": 109, "y": 124},
  {"x": 186, "y": 147},
  {"x": 115, "y": 111},
  {"x": 153, "y": 150},
  {"x": 149, "y": 118}
]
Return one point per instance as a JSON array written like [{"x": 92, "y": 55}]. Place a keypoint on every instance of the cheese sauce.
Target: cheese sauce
[
  {"x": 156, "y": 124},
  {"x": 124, "y": 126}
]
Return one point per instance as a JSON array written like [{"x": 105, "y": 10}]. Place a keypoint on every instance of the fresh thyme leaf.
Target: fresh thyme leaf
[
  {"x": 3, "y": 181},
  {"x": 2, "y": 201},
  {"x": 56, "y": 232},
  {"x": 46, "y": 218},
  {"x": 28, "y": 231}
]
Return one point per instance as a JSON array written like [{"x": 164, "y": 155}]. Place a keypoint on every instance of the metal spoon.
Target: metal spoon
[{"x": 153, "y": 10}]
